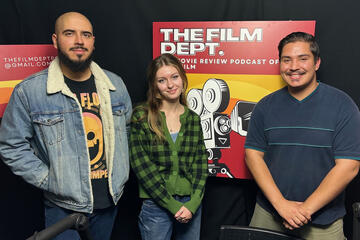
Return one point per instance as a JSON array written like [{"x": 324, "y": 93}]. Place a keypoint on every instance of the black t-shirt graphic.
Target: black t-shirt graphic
[{"x": 86, "y": 94}]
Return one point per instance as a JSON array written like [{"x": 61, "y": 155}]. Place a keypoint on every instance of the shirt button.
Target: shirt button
[{"x": 174, "y": 153}]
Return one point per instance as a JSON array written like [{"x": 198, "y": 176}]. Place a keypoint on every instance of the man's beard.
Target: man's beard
[{"x": 74, "y": 66}]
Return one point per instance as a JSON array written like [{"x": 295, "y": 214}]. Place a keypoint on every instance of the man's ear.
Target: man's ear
[
  {"x": 54, "y": 40},
  {"x": 317, "y": 64}
]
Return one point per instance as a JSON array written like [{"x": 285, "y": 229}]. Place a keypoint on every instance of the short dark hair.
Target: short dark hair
[{"x": 301, "y": 37}]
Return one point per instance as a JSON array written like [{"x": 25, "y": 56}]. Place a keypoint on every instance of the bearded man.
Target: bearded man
[{"x": 64, "y": 131}]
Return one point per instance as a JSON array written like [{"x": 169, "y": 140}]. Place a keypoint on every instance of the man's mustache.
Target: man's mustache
[{"x": 82, "y": 48}]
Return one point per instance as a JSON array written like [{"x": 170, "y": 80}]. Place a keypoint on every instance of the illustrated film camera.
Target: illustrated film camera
[{"x": 209, "y": 103}]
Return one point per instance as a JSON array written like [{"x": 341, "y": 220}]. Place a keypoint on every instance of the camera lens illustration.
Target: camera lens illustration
[
  {"x": 195, "y": 102},
  {"x": 209, "y": 103},
  {"x": 216, "y": 95}
]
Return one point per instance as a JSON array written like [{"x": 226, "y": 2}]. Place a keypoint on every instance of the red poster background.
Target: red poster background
[
  {"x": 18, "y": 62},
  {"x": 237, "y": 61}
]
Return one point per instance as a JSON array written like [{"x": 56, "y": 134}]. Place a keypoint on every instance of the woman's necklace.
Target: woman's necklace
[{"x": 173, "y": 119}]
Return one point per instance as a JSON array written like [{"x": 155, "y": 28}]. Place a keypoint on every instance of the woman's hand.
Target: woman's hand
[{"x": 183, "y": 215}]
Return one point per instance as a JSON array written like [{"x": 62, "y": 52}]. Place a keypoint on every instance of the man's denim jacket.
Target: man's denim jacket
[{"x": 42, "y": 136}]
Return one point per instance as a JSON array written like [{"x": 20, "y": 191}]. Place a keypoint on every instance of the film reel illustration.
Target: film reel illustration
[
  {"x": 216, "y": 95},
  {"x": 209, "y": 103}
]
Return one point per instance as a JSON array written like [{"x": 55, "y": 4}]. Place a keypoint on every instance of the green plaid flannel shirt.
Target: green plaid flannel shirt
[{"x": 165, "y": 168}]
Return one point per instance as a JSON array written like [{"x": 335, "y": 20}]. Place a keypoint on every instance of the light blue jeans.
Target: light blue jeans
[
  {"x": 157, "y": 223},
  {"x": 100, "y": 222}
]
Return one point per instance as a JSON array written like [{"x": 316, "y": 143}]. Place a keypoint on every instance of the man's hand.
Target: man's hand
[
  {"x": 293, "y": 213},
  {"x": 183, "y": 215}
]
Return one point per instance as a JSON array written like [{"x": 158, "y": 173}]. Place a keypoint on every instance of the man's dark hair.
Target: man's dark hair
[{"x": 301, "y": 37}]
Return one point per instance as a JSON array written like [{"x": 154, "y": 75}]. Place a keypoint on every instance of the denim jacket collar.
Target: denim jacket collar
[{"x": 56, "y": 83}]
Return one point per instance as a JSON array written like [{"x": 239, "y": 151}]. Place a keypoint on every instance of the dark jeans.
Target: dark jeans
[{"x": 101, "y": 222}]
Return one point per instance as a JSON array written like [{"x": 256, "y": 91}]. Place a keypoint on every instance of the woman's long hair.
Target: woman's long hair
[{"x": 154, "y": 99}]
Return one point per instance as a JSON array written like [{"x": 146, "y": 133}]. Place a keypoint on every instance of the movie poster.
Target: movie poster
[
  {"x": 18, "y": 62},
  {"x": 230, "y": 67}
]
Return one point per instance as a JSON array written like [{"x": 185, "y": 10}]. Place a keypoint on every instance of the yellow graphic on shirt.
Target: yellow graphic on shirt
[
  {"x": 94, "y": 134},
  {"x": 86, "y": 100}
]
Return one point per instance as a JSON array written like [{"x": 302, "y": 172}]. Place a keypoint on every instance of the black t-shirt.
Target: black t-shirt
[{"x": 86, "y": 94}]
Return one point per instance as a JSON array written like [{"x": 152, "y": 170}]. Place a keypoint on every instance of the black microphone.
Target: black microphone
[{"x": 76, "y": 221}]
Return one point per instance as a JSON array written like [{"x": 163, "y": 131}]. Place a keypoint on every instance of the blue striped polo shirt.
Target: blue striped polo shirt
[{"x": 302, "y": 139}]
